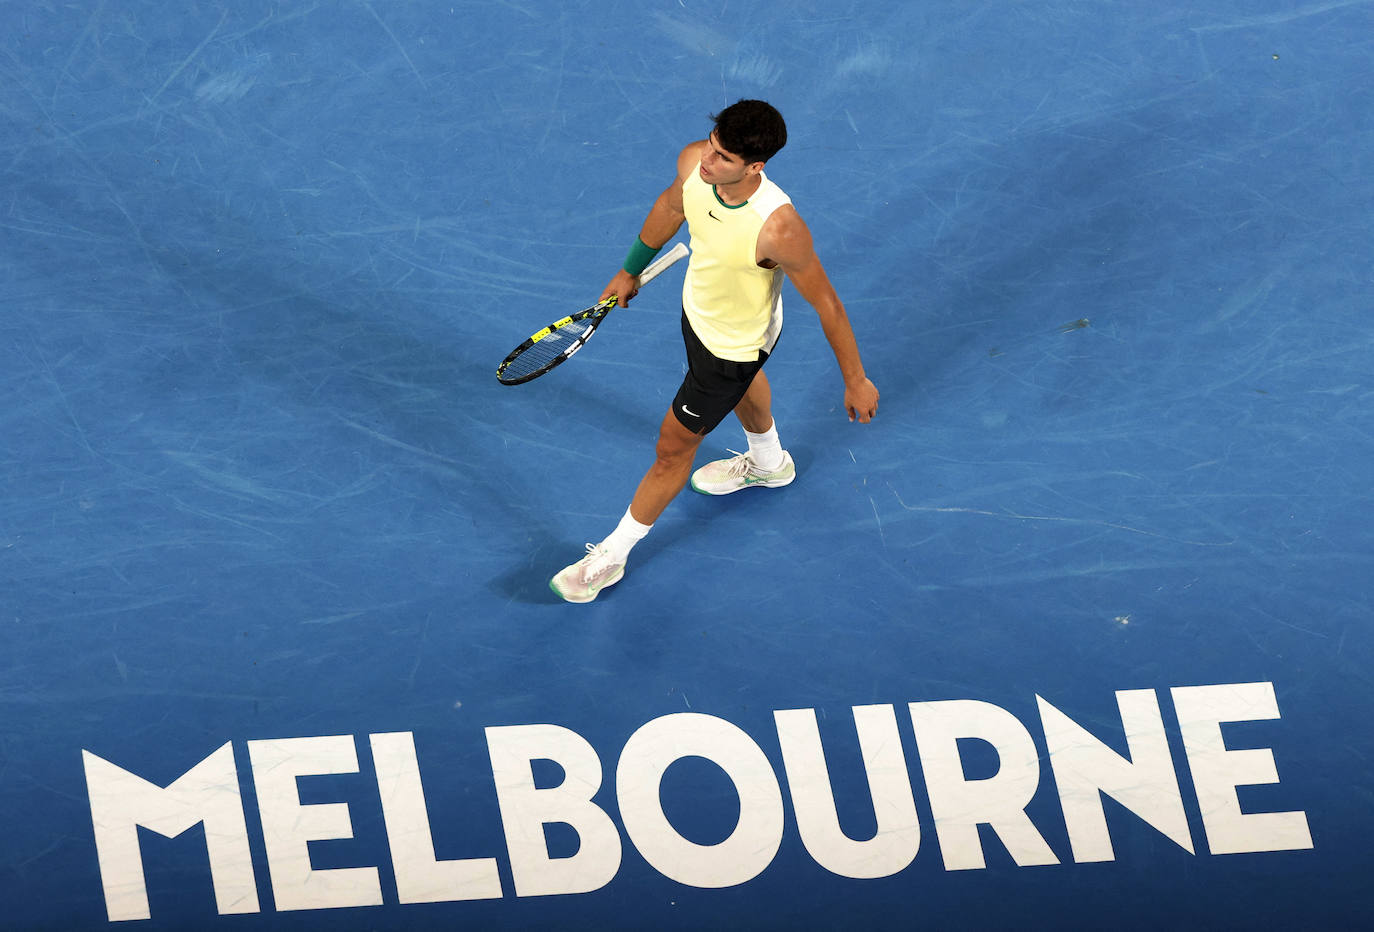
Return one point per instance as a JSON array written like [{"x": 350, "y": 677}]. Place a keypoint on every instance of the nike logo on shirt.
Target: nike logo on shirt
[{"x": 712, "y": 215}]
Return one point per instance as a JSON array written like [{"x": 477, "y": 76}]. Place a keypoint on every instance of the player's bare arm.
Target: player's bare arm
[
  {"x": 665, "y": 219},
  {"x": 786, "y": 242}
]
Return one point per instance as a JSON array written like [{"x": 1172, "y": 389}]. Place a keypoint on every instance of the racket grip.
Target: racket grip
[{"x": 662, "y": 262}]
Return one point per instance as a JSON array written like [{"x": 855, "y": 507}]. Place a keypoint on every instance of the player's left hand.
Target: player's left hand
[{"x": 861, "y": 401}]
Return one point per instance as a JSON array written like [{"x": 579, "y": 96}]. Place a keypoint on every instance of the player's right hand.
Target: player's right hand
[{"x": 624, "y": 286}]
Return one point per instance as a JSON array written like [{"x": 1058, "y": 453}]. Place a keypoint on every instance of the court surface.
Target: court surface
[{"x": 1076, "y": 634}]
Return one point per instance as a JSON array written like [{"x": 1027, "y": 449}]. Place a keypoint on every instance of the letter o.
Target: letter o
[{"x": 649, "y": 753}]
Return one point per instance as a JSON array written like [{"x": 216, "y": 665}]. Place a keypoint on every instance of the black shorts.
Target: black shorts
[{"x": 712, "y": 386}]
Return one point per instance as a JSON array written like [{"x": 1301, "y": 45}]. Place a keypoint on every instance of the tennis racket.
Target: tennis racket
[{"x": 557, "y": 342}]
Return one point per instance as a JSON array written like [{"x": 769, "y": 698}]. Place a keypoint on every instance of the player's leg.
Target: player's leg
[
  {"x": 766, "y": 464},
  {"x": 677, "y": 447},
  {"x": 711, "y": 389},
  {"x": 755, "y": 409},
  {"x": 604, "y": 564}
]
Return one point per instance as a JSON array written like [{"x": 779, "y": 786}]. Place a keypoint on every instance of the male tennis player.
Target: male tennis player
[{"x": 745, "y": 236}]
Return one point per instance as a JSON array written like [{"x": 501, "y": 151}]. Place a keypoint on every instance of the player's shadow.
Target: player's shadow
[{"x": 343, "y": 367}]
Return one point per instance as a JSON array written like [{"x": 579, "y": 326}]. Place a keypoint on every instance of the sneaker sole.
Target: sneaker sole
[
  {"x": 770, "y": 484},
  {"x": 595, "y": 592}
]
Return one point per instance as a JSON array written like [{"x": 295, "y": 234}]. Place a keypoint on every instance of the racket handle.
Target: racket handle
[{"x": 662, "y": 262}]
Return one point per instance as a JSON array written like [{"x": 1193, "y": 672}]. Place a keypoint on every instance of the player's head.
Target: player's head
[{"x": 751, "y": 129}]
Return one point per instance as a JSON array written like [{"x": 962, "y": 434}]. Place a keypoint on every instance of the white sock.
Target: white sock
[
  {"x": 626, "y": 534},
  {"x": 765, "y": 449}
]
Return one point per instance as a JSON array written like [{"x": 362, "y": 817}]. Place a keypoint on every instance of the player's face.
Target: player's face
[{"x": 720, "y": 167}]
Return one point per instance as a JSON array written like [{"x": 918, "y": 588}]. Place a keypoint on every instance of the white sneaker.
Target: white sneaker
[
  {"x": 739, "y": 472},
  {"x": 584, "y": 579}
]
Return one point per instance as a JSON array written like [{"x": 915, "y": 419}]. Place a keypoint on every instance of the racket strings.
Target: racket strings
[{"x": 543, "y": 353}]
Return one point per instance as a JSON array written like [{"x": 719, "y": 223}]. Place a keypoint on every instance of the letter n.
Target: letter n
[
  {"x": 1086, "y": 769},
  {"x": 208, "y": 793}
]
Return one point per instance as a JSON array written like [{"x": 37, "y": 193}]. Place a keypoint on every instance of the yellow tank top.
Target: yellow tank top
[{"x": 734, "y": 306}]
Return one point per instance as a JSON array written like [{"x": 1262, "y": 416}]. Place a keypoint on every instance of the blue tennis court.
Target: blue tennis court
[{"x": 1076, "y": 634}]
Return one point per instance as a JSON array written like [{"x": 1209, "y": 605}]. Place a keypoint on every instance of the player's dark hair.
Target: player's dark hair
[{"x": 751, "y": 129}]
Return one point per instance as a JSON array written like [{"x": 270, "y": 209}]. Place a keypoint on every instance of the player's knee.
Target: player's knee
[
  {"x": 672, "y": 457},
  {"x": 673, "y": 451}
]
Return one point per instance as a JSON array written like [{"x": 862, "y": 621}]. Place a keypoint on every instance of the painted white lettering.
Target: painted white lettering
[
  {"x": 420, "y": 878},
  {"x": 207, "y": 793},
  {"x": 1217, "y": 772},
  {"x": 288, "y": 826},
  {"x": 525, "y": 810},
  {"x": 960, "y": 805},
  {"x": 1084, "y": 768},
  {"x": 646, "y": 757},
  {"x": 898, "y": 835}
]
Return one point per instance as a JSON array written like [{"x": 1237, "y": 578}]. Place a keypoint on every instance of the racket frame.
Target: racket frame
[{"x": 596, "y": 314}]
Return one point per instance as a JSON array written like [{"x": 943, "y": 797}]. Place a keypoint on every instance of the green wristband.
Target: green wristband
[{"x": 640, "y": 256}]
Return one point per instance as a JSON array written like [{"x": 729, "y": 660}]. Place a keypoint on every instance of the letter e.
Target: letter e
[{"x": 1217, "y": 772}]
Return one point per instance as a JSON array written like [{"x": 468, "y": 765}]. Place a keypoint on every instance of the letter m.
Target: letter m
[{"x": 207, "y": 793}]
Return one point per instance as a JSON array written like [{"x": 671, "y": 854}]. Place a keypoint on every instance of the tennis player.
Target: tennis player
[{"x": 745, "y": 235}]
